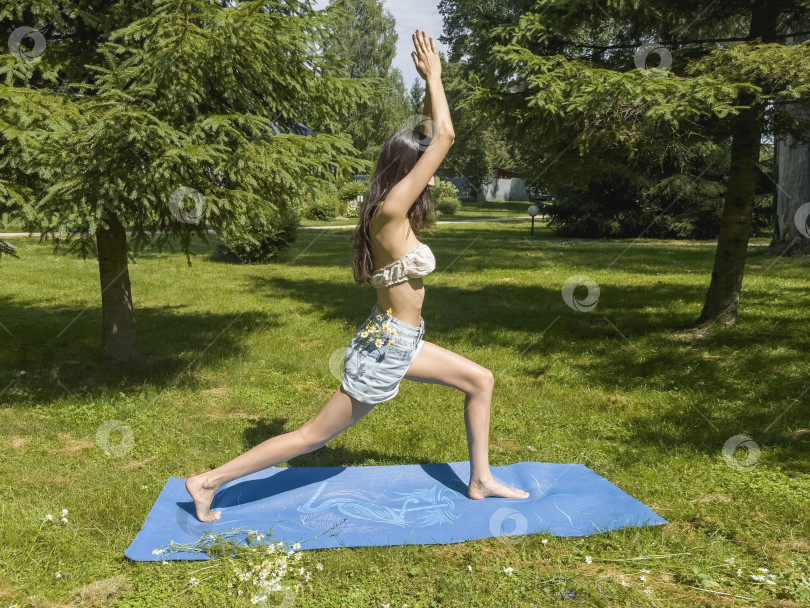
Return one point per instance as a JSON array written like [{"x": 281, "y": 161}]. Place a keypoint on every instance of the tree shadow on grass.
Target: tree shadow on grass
[
  {"x": 327, "y": 455},
  {"x": 632, "y": 344},
  {"x": 46, "y": 356}
]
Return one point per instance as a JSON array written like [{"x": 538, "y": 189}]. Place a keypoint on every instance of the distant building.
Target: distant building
[
  {"x": 503, "y": 185},
  {"x": 298, "y": 128}
]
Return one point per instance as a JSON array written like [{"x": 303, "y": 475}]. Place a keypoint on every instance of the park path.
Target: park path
[{"x": 497, "y": 219}]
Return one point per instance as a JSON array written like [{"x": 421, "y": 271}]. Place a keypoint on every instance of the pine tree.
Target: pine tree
[
  {"x": 554, "y": 72},
  {"x": 166, "y": 118},
  {"x": 365, "y": 42}
]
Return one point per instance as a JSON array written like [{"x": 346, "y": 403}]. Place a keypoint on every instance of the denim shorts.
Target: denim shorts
[{"x": 379, "y": 355}]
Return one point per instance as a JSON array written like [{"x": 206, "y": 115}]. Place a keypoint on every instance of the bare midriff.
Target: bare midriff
[{"x": 405, "y": 299}]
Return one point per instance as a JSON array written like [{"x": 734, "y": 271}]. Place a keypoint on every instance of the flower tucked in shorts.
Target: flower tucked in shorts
[{"x": 379, "y": 355}]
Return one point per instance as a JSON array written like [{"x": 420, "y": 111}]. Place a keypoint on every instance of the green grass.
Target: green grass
[
  {"x": 468, "y": 211},
  {"x": 244, "y": 354}
]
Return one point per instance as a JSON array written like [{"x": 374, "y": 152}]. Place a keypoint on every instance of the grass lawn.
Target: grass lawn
[
  {"x": 468, "y": 211},
  {"x": 244, "y": 354}
]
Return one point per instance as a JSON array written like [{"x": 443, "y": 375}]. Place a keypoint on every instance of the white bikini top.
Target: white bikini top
[{"x": 416, "y": 263}]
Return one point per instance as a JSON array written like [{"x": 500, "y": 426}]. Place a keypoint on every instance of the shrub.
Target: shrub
[
  {"x": 352, "y": 209},
  {"x": 349, "y": 190},
  {"x": 448, "y": 206},
  {"x": 262, "y": 238},
  {"x": 324, "y": 208},
  {"x": 444, "y": 190}
]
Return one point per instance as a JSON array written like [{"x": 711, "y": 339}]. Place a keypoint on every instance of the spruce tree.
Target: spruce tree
[
  {"x": 564, "y": 74},
  {"x": 166, "y": 118}
]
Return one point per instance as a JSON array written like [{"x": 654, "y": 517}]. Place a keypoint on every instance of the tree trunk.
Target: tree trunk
[
  {"x": 792, "y": 159},
  {"x": 119, "y": 336},
  {"x": 723, "y": 297}
]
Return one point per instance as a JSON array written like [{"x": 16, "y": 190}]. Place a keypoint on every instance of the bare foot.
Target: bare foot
[
  {"x": 490, "y": 487},
  {"x": 203, "y": 495}
]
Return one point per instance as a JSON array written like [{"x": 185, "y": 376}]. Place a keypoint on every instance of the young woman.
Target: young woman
[{"x": 388, "y": 345}]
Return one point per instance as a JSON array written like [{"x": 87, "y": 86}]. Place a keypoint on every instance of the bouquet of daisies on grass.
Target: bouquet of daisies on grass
[{"x": 261, "y": 570}]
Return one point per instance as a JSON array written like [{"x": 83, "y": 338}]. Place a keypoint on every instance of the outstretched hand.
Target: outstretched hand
[{"x": 425, "y": 57}]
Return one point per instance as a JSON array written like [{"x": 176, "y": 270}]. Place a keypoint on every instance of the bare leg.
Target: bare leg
[
  {"x": 437, "y": 365},
  {"x": 339, "y": 413}
]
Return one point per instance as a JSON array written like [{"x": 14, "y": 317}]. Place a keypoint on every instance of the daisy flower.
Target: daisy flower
[
  {"x": 588, "y": 559},
  {"x": 508, "y": 571},
  {"x": 389, "y": 311}
]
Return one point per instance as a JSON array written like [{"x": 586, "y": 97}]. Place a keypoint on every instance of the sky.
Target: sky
[{"x": 410, "y": 16}]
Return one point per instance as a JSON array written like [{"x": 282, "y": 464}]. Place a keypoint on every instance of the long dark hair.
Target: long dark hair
[{"x": 398, "y": 156}]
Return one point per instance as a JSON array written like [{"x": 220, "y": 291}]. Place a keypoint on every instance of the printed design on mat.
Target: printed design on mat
[{"x": 424, "y": 507}]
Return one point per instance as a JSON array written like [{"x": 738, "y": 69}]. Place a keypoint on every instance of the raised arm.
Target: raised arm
[{"x": 439, "y": 129}]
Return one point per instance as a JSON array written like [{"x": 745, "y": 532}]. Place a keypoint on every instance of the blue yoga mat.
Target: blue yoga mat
[{"x": 323, "y": 507}]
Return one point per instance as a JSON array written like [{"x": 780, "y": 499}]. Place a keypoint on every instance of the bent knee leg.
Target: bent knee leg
[{"x": 481, "y": 380}]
